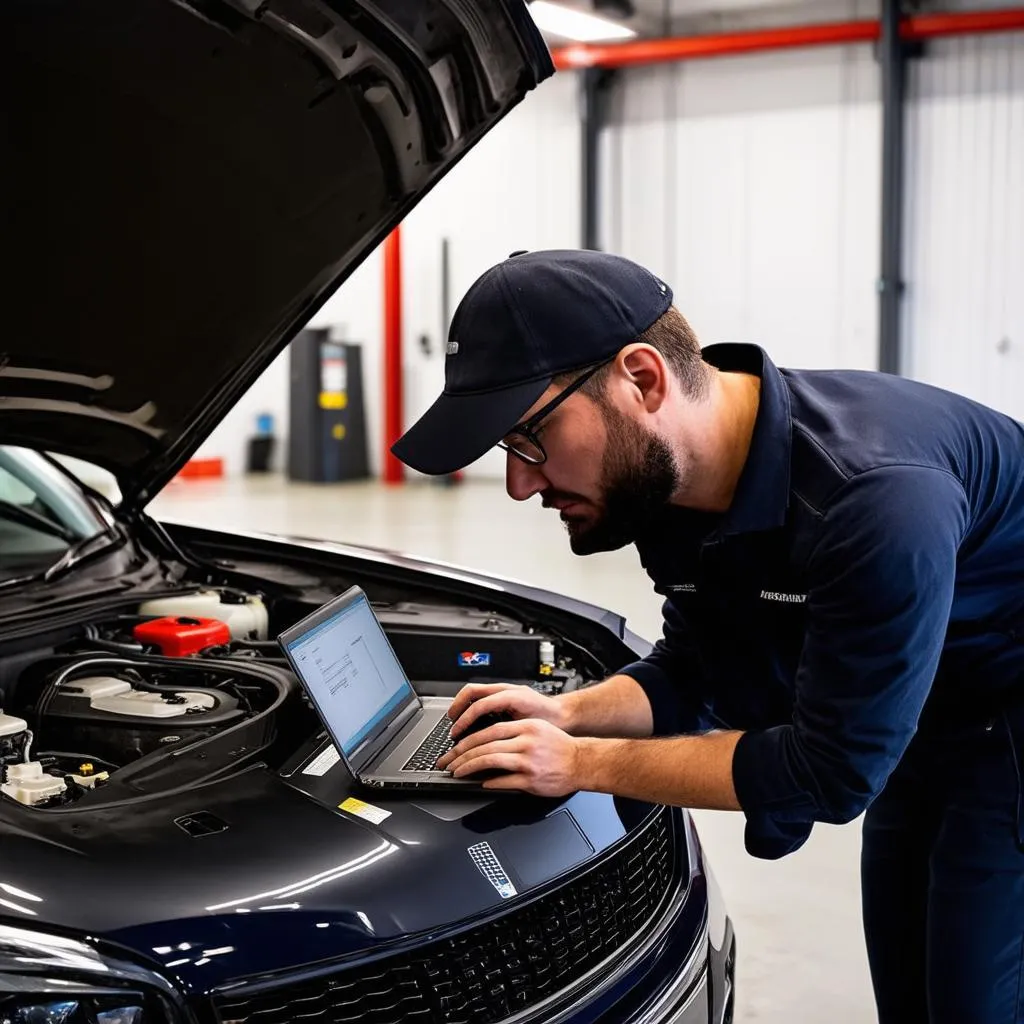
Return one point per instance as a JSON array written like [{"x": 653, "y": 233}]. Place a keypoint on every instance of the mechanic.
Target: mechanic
[{"x": 842, "y": 560}]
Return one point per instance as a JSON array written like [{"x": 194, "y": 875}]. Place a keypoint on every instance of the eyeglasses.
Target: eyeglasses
[{"x": 522, "y": 440}]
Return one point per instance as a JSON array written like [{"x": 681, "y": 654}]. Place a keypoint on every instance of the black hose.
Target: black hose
[
  {"x": 71, "y": 756},
  {"x": 116, "y": 647}
]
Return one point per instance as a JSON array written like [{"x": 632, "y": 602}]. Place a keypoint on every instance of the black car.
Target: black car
[{"x": 186, "y": 182}]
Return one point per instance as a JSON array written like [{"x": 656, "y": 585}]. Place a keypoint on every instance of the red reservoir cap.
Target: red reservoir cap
[{"x": 178, "y": 636}]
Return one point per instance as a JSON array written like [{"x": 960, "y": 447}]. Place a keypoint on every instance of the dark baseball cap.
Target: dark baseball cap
[{"x": 523, "y": 322}]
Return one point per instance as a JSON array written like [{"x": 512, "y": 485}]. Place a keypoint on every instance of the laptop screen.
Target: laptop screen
[{"x": 352, "y": 673}]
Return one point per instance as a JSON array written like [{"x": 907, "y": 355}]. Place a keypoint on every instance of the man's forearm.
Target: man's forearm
[
  {"x": 616, "y": 707},
  {"x": 684, "y": 771}
]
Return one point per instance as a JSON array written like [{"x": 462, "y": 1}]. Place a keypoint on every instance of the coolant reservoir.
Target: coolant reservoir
[
  {"x": 118, "y": 697},
  {"x": 245, "y": 617},
  {"x": 11, "y": 726},
  {"x": 29, "y": 784}
]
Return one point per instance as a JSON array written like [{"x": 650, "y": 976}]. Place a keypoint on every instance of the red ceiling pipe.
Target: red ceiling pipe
[
  {"x": 652, "y": 51},
  {"x": 929, "y": 26},
  {"x": 393, "y": 470}
]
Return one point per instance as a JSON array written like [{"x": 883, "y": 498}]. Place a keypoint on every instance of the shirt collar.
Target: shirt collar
[{"x": 762, "y": 494}]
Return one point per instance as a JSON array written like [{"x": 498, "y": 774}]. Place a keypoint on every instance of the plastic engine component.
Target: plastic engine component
[
  {"x": 96, "y": 688},
  {"x": 11, "y": 726},
  {"x": 546, "y": 650},
  {"x": 121, "y": 720},
  {"x": 91, "y": 781},
  {"x": 181, "y": 635},
  {"x": 461, "y": 644},
  {"x": 29, "y": 784},
  {"x": 244, "y": 614},
  {"x": 118, "y": 697}
]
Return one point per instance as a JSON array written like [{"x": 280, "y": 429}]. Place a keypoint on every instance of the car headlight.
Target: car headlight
[{"x": 50, "y": 979}]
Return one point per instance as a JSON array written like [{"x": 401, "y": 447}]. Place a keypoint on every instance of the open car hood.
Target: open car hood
[{"x": 187, "y": 181}]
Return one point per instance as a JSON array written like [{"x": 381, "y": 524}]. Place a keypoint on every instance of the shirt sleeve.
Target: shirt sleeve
[
  {"x": 880, "y": 589},
  {"x": 670, "y": 675}
]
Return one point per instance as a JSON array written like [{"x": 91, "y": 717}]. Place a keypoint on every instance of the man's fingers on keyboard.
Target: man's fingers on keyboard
[
  {"x": 471, "y": 693},
  {"x": 484, "y": 706},
  {"x": 509, "y": 744},
  {"x": 511, "y": 763},
  {"x": 499, "y": 731}
]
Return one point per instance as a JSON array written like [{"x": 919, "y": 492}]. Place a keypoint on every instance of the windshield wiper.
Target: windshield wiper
[
  {"x": 36, "y": 521},
  {"x": 83, "y": 549}
]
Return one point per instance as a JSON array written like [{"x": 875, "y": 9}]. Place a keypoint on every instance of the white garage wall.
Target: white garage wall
[
  {"x": 696, "y": 17},
  {"x": 964, "y": 304},
  {"x": 518, "y": 189},
  {"x": 752, "y": 184}
]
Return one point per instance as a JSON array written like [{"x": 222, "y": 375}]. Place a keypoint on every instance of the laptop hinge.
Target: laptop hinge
[{"x": 371, "y": 753}]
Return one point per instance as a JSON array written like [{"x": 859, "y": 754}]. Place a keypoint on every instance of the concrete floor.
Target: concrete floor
[{"x": 800, "y": 947}]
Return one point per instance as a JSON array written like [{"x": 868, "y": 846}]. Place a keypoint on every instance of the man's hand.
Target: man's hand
[
  {"x": 536, "y": 757},
  {"x": 515, "y": 700}
]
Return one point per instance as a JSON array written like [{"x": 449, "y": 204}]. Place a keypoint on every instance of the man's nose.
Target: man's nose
[{"x": 523, "y": 479}]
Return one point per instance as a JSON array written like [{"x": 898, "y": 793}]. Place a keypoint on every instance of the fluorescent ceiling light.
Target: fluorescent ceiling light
[{"x": 578, "y": 26}]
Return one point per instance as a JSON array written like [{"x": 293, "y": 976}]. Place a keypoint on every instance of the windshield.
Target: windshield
[{"x": 43, "y": 513}]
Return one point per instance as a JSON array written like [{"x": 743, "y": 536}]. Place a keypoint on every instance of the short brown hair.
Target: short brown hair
[{"x": 675, "y": 339}]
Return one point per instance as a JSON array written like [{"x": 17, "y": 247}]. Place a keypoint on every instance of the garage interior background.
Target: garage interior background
[{"x": 753, "y": 182}]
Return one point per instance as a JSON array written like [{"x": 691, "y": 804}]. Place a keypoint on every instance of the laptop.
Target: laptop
[{"x": 388, "y": 736}]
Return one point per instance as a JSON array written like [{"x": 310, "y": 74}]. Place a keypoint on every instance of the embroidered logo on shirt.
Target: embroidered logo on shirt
[
  {"x": 682, "y": 588},
  {"x": 774, "y": 595}
]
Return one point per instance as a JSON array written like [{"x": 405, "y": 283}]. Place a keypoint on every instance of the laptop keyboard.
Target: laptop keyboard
[{"x": 439, "y": 742}]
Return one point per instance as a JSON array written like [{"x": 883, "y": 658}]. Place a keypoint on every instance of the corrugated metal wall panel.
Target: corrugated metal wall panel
[
  {"x": 964, "y": 307},
  {"x": 751, "y": 184}
]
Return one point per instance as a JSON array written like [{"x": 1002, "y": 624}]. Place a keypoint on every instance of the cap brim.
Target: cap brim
[{"x": 458, "y": 429}]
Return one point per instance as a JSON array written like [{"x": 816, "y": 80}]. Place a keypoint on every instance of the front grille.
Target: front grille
[{"x": 495, "y": 970}]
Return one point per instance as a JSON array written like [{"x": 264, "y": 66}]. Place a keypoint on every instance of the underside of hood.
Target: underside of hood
[{"x": 187, "y": 181}]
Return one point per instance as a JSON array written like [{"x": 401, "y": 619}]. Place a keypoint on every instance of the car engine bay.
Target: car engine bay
[{"x": 187, "y": 688}]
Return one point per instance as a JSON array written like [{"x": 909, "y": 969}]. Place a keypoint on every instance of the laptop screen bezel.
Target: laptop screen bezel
[{"x": 373, "y": 744}]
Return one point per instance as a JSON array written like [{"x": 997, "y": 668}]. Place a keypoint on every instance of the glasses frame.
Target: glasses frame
[{"x": 527, "y": 429}]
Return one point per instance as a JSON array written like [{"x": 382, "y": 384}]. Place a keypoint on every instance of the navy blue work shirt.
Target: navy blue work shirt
[{"x": 872, "y": 561}]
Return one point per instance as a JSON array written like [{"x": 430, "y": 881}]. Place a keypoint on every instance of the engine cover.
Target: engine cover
[
  {"x": 118, "y": 719},
  {"x": 118, "y": 701}
]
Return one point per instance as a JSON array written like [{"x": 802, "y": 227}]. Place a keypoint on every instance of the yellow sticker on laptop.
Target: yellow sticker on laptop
[{"x": 365, "y": 811}]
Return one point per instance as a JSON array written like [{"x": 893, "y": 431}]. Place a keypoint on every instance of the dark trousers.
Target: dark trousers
[{"x": 943, "y": 878}]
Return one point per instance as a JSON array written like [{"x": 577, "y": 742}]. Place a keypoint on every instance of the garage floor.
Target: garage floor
[{"x": 801, "y": 952}]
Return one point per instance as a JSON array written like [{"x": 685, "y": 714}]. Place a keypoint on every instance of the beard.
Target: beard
[{"x": 638, "y": 475}]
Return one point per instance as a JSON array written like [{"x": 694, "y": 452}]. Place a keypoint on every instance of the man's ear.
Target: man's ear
[{"x": 646, "y": 373}]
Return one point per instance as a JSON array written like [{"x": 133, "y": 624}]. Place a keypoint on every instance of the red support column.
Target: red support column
[{"x": 393, "y": 471}]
